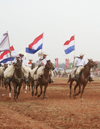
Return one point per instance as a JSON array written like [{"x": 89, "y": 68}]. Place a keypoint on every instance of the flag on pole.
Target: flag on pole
[
  {"x": 56, "y": 62},
  {"x": 67, "y": 63},
  {"x": 35, "y": 45},
  {"x": 69, "y": 45},
  {"x": 4, "y": 44},
  {"x": 5, "y": 56}
]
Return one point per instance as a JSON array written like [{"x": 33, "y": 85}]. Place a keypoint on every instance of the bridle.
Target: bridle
[
  {"x": 88, "y": 68},
  {"x": 45, "y": 69}
]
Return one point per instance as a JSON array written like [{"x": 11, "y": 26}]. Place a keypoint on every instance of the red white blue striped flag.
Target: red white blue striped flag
[{"x": 69, "y": 45}]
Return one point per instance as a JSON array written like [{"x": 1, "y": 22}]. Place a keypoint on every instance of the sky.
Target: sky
[{"x": 24, "y": 20}]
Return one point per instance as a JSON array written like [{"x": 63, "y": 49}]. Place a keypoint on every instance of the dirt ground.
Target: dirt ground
[{"x": 57, "y": 111}]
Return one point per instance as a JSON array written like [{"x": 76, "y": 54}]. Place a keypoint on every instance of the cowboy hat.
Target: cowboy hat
[
  {"x": 30, "y": 59},
  {"x": 22, "y": 53},
  {"x": 82, "y": 54},
  {"x": 45, "y": 53}
]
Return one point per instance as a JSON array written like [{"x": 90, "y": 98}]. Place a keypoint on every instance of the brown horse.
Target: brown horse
[
  {"x": 44, "y": 79},
  {"x": 83, "y": 78},
  {"x": 17, "y": 78}
]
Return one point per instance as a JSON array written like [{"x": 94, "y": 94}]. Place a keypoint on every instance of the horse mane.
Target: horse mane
[
  {"x": 85, "y": 65},
  {"x": 48, "y": 60}
]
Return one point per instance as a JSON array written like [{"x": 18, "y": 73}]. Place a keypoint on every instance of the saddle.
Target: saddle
[{"x": 37, "y": 69}]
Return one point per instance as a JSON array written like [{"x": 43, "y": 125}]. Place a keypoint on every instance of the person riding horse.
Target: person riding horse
[
  {"x": 10, "y": 69},
  {"x": 80, "y": 62},
  {"x": 41, "y": 61}
]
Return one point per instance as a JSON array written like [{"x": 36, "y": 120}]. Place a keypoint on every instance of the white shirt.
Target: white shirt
[
  {"x": 41, "y": 61},
  {"x": 24, "y": 61},
  {"x": 80, "y": 62}
]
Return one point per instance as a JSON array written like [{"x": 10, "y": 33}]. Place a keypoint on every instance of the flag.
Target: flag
[
  {"x": 56, "y": 62},
  {"x": 5, "y": 56},
  {"x": 4, "y": 44},
  {"x": 69, "y": 45},
  {"x": 67, "y": 63},
  {"x": 35, "y": 45}
]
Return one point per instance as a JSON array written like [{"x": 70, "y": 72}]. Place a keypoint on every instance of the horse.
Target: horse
[
  {"x": 44, "y": 79},
  {"x": 30, "y": 82},
  {"x": 83, "y": 78},
  {"x": 17, "y": 78},
  {"x": 2, "y": 75}
]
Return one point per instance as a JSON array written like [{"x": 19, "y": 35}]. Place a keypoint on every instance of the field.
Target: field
[{"x": 57, "y": 111}]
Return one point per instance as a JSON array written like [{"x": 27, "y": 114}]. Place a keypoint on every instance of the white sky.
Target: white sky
[{"x": 59, "y": 20}]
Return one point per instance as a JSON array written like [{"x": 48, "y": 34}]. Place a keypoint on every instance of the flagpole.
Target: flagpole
[
  {"x": 42, "y": 47},
  {"x": 74, "y": 51},
  {"x": 9, "y": 47}
]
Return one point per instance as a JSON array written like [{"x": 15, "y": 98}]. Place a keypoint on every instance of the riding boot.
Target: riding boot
[
  {"x": 51, "y": 81},
  {"x": 90, "y": 79},
  {"x": 36, "y": 69},
  {"x": 25, "y": 79},
  {"x": 38, "y": 81},
  {"x": 8, "y": 80},
  {"x": 76, "y": 77}
]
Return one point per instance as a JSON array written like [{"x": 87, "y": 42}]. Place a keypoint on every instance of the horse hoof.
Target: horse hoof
[
  {"x": 82, "y": 99},
  {"x": 69, "y": 95},
  {"x": 35, "y": 94},
  {"x": 38, "y": 95},
  {"x": 32, "y": 93},
  {"x": 74, "y": 96}
]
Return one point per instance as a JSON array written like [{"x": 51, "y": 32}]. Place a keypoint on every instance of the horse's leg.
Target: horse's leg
[
  {"x": 29, "y": 85},
  {"x": 2, "y": 82},
  {"x": 70, "y": 87},
  {"x": 79, "y": 90},
  {"x": 75, "y": 90},
  {"x": 9, "y": 89},
  {"x": 82, "y": 90},
  {"x": 23, "y": 85},
  {"x": 15, "y": 90},
  {"x": 19, "y": 87},
  {"x": 32, "y": 83},
  {"x": 40, "y": 91},
  {"x": 45, "y": 87},
  {"x": 36, "y": 89}
]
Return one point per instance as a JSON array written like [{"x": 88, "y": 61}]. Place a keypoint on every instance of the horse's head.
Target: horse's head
[
  {"x": 92, "y": 63},
  {"x": 18, "y": 63},
  {"x": 49, "y": 65}
]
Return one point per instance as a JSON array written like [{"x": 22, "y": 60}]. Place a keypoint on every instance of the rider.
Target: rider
[
  {"x": 80, "y": 62},
  {"x": 10, "y": 70},
  {"x": 41, "y": 61},
  {"x": 22, "y": 56},
  {"x": 24, "y": 64},
  {"x": 30, "y": 63}
]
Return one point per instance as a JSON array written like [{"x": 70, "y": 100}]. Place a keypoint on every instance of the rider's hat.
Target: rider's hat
[
  {"x": 82, "y": 54},
  {"x": 22, "y": 53},
  {"x": 45, "y": 53},
  {"x": 30, "y": 59}
]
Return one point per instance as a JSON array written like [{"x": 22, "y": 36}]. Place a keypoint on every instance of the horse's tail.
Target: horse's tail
[{"x": 69, "y": 78}]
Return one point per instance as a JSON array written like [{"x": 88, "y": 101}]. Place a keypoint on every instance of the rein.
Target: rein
[{"x": 85, "y": 78}]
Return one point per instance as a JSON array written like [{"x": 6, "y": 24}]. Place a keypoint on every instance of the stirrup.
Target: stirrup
[
  {"x": 90, "y": 79},
  {"x": 76, "y": 77},
  {"x": 51, "y": 81}
]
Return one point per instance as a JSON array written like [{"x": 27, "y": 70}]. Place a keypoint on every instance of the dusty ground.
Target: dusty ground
[{"x": 57, "y": 111}]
